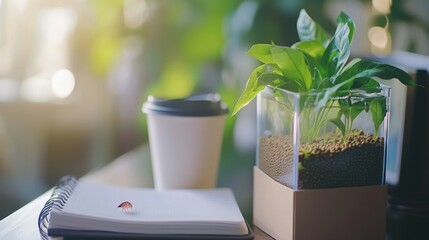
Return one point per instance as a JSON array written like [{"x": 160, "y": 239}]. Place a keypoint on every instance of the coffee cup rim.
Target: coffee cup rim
[{"x": 204, "y": 104}]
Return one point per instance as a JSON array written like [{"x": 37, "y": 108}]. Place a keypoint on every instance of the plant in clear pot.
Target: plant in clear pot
[{"x": 322, "y": 118}]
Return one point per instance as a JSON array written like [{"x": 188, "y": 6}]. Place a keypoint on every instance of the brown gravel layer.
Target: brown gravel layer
[
  {"x": 325, "y": 163},
  {"x": 276, "y": 158}
]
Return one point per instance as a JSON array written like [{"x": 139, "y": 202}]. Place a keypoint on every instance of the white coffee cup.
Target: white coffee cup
[{"x": 185, "y": 137}]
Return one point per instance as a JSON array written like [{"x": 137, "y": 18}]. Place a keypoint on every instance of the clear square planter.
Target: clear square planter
[{"x": 313, "y": 141}]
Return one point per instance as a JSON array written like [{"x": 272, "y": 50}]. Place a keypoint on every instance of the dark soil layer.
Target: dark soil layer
[
  {"x": 325, "y": 163},
  {"x": 356, "y": 161}
]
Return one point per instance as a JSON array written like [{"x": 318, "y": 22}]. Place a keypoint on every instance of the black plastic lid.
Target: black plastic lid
[{"x": 207, "y": 104}]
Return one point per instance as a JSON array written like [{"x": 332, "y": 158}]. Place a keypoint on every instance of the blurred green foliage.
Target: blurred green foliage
[
  {"x": 105, "y": 45},
  {"x": 191, "y": 38}
]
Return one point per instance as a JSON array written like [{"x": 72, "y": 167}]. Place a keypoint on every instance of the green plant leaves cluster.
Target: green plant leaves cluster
[{"x": 320, "y": 63}]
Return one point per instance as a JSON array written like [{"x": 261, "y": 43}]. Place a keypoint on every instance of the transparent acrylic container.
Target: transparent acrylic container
[{"x": 314, "y": 141}]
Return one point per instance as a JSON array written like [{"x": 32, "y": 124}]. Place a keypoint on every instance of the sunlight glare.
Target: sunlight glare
[{"x": 62, "y": 83}]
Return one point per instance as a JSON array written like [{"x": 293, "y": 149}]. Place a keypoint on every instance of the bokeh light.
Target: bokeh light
[
  {"x": 62, "y": 83},
  {"x": 382, "y": 6}
]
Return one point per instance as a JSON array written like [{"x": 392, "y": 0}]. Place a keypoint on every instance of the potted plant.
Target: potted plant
[
  {"x": 322, "y": 125},
  {"x": 331, "y": 99}
]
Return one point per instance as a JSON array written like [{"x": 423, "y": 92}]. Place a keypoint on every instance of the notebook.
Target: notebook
[{"x": 84, "y": 210}]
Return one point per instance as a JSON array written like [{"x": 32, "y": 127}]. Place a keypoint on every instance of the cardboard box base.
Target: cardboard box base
[{"x": 338, "y": 213}]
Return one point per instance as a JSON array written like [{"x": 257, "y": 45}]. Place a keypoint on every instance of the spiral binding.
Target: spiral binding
[{"x": 58, "y": 199}]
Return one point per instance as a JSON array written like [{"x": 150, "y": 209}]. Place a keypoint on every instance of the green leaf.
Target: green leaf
[
  {"x": 359, "y": 82},
  {"x": 277, "y": 80},
  {"x": 325, "y": 83},
  {"x": 377, "y": 107},
  {"x": 369, "y": 85},
  {"x": 344, "y": 107},
  {"x": 350, "y": 64},
  {"x": 350, "y": 110},
  {"x": 313, "y": 48},
  {"x": 340, "y": 113},
  {"x": 261, "y": 52},
  {"x": 339, "y": 124},
  {"x": 288, "y": 85},
  {"x": 313, "y": 63},
  {"x": 317, "y": 78},
  {"x": 293, "y": 65},
  {"x": 329, "y": 94},
  {"x": 347, "y": 86},
  {"x": 369, "y": 69},
  {"x": 338, "y": 51},
  {"x": 253, "y": 87},
  {"x": 344, "y": 19},
  {"x": 270, "y": 78},
  {"x": 338, "y": 78},
  {"x": 310, "y": 30},
  {"x": 355, "y": 109}
]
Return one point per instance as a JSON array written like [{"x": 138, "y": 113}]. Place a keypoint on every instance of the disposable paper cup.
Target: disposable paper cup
[{"x": 185, "y": 137}]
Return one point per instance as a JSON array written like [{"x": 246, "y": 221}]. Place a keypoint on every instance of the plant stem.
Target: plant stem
[{"x": 312, "y": 128}]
